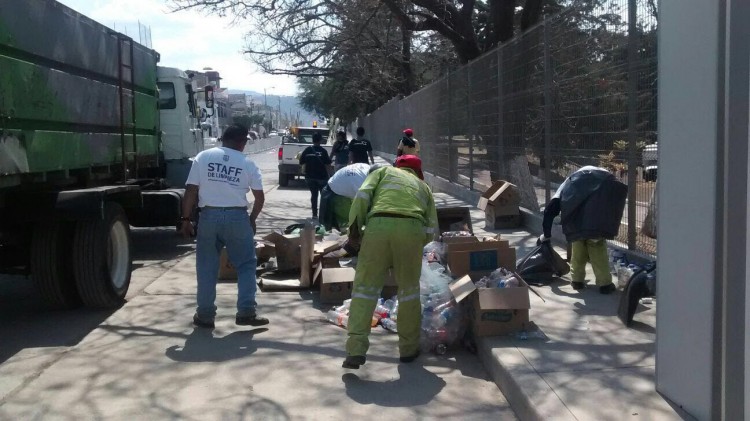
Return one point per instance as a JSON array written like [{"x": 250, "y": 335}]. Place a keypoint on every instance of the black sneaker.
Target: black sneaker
[
  {"x": 253, "y": 320},
  {"x": 354, "y": 361},
  {"x": 607, "y": 289},
  {"x": 409, "y": 358},
  {"x": 208, "y": 324},
  {"x": 578, "y": 285}
]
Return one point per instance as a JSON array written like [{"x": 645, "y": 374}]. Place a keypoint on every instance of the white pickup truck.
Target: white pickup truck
[{"x": 291, "y": 145}]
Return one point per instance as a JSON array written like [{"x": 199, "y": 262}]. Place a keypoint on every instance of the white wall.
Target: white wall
[{"x": 688, "y": 75}]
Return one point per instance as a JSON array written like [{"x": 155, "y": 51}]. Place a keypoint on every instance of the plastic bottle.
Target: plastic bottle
[
  {"x": 336, "y": 318},
  {"x": 389, "y": 324},
  {"x": 381, "y": 311},
  {"x": 344, "y": 307}
]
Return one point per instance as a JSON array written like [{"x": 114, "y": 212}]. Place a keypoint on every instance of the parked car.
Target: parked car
[{"x": 299, "y": 139}]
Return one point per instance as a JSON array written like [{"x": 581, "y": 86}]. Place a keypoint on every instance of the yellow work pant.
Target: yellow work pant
[
  {"x": 595, "y": 252},
  {"x": 396, "y": 243}
]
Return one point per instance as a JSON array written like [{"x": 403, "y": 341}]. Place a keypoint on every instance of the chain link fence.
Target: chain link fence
[{"x": 578, "y": 89}]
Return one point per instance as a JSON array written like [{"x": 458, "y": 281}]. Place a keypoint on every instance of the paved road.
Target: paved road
[{"x": 146, "y": 361}]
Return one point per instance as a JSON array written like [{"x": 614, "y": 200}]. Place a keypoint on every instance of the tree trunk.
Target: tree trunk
[
  {"x": 649, "y": 224},
  {"x": 408, "y": 77},
  {"x": 502, "y": 12},
  {"x": 519, "y": 174}
]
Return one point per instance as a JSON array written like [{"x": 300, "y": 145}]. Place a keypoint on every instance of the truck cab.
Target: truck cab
[
  {"x": 181, "y": 137},
  {"x": 298, "y": 139}
]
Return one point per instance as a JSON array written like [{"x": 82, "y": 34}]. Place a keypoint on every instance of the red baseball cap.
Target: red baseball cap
[
  {"x": 409, "y": 132},
  {"x": 412, "y": 162}
]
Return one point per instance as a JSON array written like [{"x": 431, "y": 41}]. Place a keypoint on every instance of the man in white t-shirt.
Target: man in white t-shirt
[
  {"x": 339, "y": 193},
  {"x": 219, "y": 181}
]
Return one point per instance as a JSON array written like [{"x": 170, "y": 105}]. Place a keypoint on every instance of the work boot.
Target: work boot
[
  {"x": 607, "y": 289},
  {"x": 208, "y": 324},
  {"x": 252, "y": 320},
  {"x": 354, "y": 361},
  {"x": 409, "y": 358},
  {"x": 578, "y": 285}
]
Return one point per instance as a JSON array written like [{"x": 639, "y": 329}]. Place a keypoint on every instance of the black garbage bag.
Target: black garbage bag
[
  {"x": 541, "y": 265},
  {"x": 638, "y": 286}
]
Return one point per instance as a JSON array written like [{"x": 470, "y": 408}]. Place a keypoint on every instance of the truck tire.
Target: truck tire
[
  {"x": 51, "y": 267},
  {"x": 283, "y": 179},
  {"x": 102, "y": 260}
]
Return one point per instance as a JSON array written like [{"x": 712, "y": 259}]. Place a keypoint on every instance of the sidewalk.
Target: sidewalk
[{"x": 589, "y": 367}]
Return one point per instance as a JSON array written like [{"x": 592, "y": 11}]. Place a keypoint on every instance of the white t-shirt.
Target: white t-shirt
[
  {"x": 224, "y": 176},
  {"x": 347, "y": 181}
]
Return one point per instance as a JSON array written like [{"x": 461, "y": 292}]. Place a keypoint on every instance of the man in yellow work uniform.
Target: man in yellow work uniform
[{"x": 398, "y": 212}]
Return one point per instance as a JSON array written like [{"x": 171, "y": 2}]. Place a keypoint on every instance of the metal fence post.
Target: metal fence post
[
  {"x": 500, "y": 127},
  {"x": 632, "y": 115},
  {"x": 547, "y": 115},
  {"x": 470, "y": 124},
  {"x": 452, "y": 158}
]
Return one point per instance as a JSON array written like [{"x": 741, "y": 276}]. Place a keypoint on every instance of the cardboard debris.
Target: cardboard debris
[
  {"x": 288, "y": 253},
  {"x": 325, "y": 247},
  {"x": 500, "y": 205},
  {"x": 494, "y": 311},
  {"x": 454, "y": 219},
  {"x": 307, "y": 253},
  {"x": 336, "y": 285},
  {"x": 227, "y": 272}
]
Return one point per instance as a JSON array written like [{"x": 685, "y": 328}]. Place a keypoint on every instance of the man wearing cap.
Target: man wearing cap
[
  {"x": 398, "y": 211},
  {"x": 408, "y": 145},
  {"x": 219, "y": 181}
]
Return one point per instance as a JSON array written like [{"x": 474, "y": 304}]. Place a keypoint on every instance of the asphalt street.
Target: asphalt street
[{"x": 146, "y": 360}]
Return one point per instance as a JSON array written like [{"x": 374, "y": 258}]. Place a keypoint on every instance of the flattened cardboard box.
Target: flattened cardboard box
[
  {"x": 502, "y": 193},
  {"x": 336, "y": 285},
  {"x": 480, "y": 258},
  {"x": 494, "y": 311}
]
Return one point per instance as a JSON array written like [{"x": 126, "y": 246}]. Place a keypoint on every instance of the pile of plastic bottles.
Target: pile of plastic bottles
[
  {"x": 385, "y": 314},
  {"x": 442, "y": 319},
  {"x": 499, "y": 278}
]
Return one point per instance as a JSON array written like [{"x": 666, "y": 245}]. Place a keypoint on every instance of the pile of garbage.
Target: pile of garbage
[{"x": 443, "y": 321}]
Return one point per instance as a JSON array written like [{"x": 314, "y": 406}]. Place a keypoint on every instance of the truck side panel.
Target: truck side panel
[{"x": 59, "y": 95}]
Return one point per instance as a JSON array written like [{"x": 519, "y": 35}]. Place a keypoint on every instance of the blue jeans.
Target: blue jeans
[{"x": 230, "y": 228}]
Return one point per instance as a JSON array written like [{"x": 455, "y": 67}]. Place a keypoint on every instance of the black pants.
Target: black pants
[{"x": 315, "y": 186}]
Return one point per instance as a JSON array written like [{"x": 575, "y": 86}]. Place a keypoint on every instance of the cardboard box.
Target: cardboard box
[
  {"x": 494, "y": 221},
  {"x": 480, "y": 258},
  {"x": 336, "y": 285},
  {"x": 307, "y": 254},
  {"x": 494, "y": 311},
  {"x": 288, "y": 252},
  {"x": 264, "y": 252},
  {"x": 456, "y": 240},
  {"x": 501, "y": 194},
  {"x": 454, "y": 219}
]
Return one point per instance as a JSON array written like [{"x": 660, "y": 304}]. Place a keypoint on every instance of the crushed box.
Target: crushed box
[
  {"x": 480, "y": 257},
  {"x": 494, "y": 311},
  {"x": 500, "y": 205},
  {"x": 336, "y": 285}
]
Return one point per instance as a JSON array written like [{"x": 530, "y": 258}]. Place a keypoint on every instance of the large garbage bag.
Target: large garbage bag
[
  {"x": 641, "y": 284},
  {"x": 541, "y": 265},
  {"x": 592, "y": 204}
]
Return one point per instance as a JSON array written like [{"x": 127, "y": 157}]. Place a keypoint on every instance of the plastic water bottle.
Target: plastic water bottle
[
  {"x": 389, "y": 324},
  {"x": 339, "y": 319},
  {"x": 381, "y": 311}
]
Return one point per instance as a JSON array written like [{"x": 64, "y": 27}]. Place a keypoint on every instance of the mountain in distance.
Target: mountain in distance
[{"x": 289, "y": 105}]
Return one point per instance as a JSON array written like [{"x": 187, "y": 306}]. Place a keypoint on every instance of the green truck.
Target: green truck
[{"x": 94, "y": 138}]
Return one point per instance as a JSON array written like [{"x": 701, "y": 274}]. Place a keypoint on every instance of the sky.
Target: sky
[{"x": 188, "y": 40}]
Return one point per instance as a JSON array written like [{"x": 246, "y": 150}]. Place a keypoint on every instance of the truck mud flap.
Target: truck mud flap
[{"x": 161, "y": 208}]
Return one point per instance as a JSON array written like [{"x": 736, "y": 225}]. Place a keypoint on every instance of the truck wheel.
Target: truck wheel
[
  {"x": 51, "y": 268},
  {"x": 283, "y": 179},
  {"x": 102, "y": 261}
]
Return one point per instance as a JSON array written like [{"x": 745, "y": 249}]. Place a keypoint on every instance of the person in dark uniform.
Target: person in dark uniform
[
  {"x": 360, "y": 148},
  {"x": 316, "y": 162}
]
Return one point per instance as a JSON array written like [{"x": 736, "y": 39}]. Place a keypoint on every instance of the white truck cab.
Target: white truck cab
[{"x": 181, "y": 137}]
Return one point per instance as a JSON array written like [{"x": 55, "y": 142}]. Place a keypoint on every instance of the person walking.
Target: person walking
[
  {"x": 340, "y": 150},
  {"x": 591, "y": 201},
  {"x": 408, "y": 145},
  {"x": 316, "y": 161},
  {"x": 218, "y": 182},
  {"x": 360, "y": 148},
  {"x": 398, "y": 209}
]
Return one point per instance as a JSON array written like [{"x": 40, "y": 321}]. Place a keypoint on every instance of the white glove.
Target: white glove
[{"x": 543, "y": 239}]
